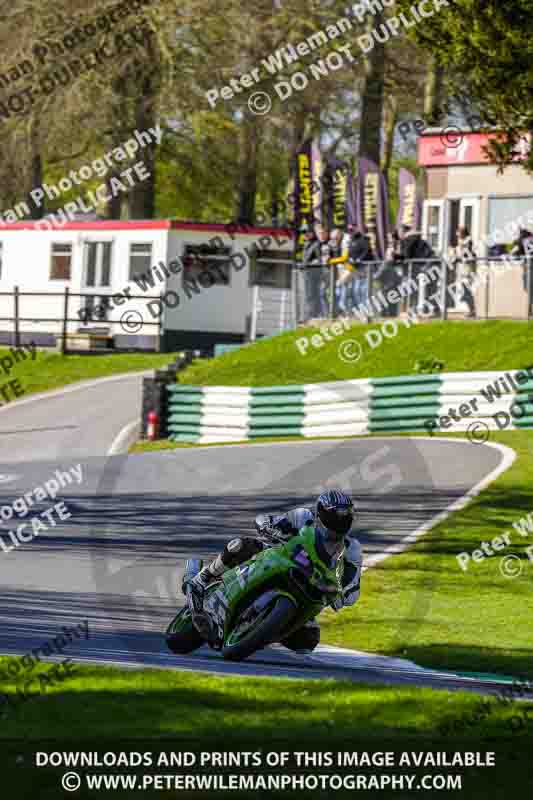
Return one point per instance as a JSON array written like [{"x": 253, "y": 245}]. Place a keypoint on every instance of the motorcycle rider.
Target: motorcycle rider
[{"x": 332, "y": 523}]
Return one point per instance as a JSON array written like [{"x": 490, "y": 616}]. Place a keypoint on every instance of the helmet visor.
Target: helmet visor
[{"x": 341, "y": 511}]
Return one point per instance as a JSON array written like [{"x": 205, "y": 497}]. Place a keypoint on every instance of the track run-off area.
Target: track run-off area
[{"x": 116, "y": 562}]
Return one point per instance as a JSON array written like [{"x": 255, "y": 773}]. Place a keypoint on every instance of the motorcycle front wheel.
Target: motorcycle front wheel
[
  {"x": 267, "y": 628},
  {"x": 181, "y": 635}
]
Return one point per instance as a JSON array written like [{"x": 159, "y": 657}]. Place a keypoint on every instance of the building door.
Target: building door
[
  {"x": 454, "y": 216},
  {"x": 463, "y": 212},
  {"x": 97, "y": 265},
  {"x": 442, "y": 218},
  {"x": 96, "y": 276},
  {"x": 469, "y": 217},
  {"x": 433, "y": 224}
]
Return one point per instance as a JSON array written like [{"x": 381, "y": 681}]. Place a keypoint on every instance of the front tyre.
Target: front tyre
[
  {"x": 181, "y": 635},
  {"x": 305, "y": 639},
  {"x": 271, "y": 623}
]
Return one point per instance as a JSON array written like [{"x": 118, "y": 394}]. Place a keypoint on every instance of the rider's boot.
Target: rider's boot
[
  {"x": 200, "y": 581},
  {"x": 194, "y": 589}
]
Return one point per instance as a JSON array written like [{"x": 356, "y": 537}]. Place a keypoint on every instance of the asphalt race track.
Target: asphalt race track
[{"x": 118, "y": 560}]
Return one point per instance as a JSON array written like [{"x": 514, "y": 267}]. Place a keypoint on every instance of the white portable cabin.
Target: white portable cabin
[{"x": 208, "y": 277}]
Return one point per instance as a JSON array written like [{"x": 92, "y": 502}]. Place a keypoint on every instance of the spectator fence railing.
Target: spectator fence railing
[{"x": 484, "y": 287}]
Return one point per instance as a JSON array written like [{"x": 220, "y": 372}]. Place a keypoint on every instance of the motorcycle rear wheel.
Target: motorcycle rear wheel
[{"x": 266, "y": 631}]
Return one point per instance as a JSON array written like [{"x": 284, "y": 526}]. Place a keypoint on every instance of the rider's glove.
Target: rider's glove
[
  {"x": 346, "y": 598},
  {"x": 349, "y": 598},
  {"x": 263, "y": 522},
  {"x": 351, "y": 579},
  {"x": 338, "y": 603}
]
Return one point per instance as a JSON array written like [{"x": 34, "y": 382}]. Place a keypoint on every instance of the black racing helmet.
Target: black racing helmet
[{"x": 335, "y": 511}]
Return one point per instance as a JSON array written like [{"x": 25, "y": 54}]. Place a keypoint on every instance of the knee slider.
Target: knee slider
[
  {"x": 232, "y": 554},
  {"x": 239, "y": 550}
]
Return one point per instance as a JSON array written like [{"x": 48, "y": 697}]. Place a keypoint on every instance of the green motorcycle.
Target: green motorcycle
[{"x": 259, "y": 602}]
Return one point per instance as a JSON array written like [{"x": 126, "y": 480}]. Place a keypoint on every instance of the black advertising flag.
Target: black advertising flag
[
  {"x": 337, "y": 194},
  {"x": 308, "y": 193},
  {"x": 410, "y": 208},
  {"x": 372, "y": 206}
]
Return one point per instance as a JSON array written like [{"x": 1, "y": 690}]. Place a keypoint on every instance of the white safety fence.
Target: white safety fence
[{"x": 272, "y": 311}]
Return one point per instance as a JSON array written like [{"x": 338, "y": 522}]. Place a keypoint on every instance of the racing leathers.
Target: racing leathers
[{"x": 277, "y": 529}]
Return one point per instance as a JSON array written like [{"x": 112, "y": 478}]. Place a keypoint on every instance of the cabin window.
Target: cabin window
[
  {"x": 98, "y": 263},
  {"x": 199, "y": 258},
  {"x": 506, "y": 214},
  {"x": 271, "y": 268},
  {"x": 140, "y": 260},
  {"x": 61, "y": 262}
]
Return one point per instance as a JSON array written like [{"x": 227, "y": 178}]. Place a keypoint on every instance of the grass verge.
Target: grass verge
[
  {"x": 460, "y": 346},
  {"x": 163, "y": 709},
  {"x": 52, "y": 370},
  {"x": 146, "y": 446}
]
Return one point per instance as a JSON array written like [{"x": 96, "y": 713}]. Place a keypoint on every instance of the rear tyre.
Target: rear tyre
[
  {"x": 267, "y": 630},
  {"x": 181, "y": 636}
]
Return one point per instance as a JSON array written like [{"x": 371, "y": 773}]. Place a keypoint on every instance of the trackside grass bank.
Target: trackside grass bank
[
  {"x": 154, "y": 710},
  {"x": 422, "y": 606},
  {"x": 52, "y": 370},
  {"x": 459, "y": 346}
]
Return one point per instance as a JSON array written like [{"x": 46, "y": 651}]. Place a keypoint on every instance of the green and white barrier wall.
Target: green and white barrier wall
[{"x": 500, "y": 400}]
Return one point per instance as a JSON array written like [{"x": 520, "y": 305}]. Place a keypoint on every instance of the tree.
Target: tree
[
  {"x": 405, "y": 82},
  {"x": 486, "y": 49},
  {"x": 434, "y": 95},
  {"x": 91, "y": 111},
  {"x": 373, "y": 97}
]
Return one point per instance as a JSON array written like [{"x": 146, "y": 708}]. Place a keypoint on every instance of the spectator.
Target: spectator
[
  {"x": 348, "y": 269},
  {"x": 390, "y": 274},
  {"x": 335, "y": 243},
  {"x": 465, "y": 264},
  {"x": 340, "y": 256},
  {"x": 413, "y": 248},
  {"x": 520, "y": 247},
  {"x": 325, "y": 255},
  {"x": 311, "y": 265},
  {"x": 360, "y": 251},
  {"x": 393, "y": 247},
  {"x": 347, "y": 238},
  {"x": 523, "y": 248},
  {"x": 465, "y": 245},
  {"x": 496, "y": 250}
]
